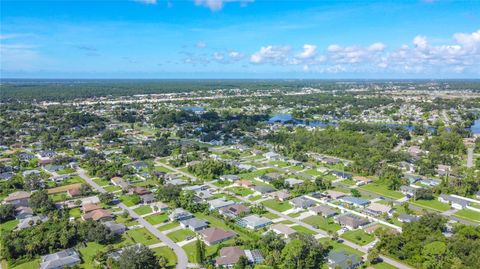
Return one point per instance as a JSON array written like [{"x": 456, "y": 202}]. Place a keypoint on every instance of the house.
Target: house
[
  {"x": 408, "y": 191},
  {"x": 412, "y": 178},
  {"x": 88, "y": 207},
  {"x": 28, "y": 172},
  {"x": 62, "y": 259},
  {"x": 159, "y": 207},
  {"x": 355, "y": 201},
  {"x": 281, "y": 195},
  {"x": 291, "y": 182},
  {"x": 7, "y": 175},
  {"x": 46, "y": 154},
  {"x": 176, "y": 182},
  {"x": 262, "y": 190},
  {"x": 234, "y": 211},
  {"x": 25, "y": 156},
  {"x": 246, "y": 167},
  {"x": 254, "y": 256},
  {"x": 74, "y": 192},
  {"x": 272, "y": 156},
  {"x": 194, "y": 224},
  {"x": 341, "y": 174},
  {"x": 229, "y": 256},
  {"x": 429, "y": 182},
  {"x": 118, "y": 181},
  {"x": 52, "y": 168},
  {"x": 139, "y": 190},
  {"x": 414, "y": 151},
  {"x": 323, "y": 210},
  {"x": 219, "y": 203},
  {"x": 30, "y": 222},
  {"x": 214, "y": 235},
  {"x": 342, "y": 260},
  {"x": 334, "y": 194},
  {"x": 376, "y": 209},
  {"x": 231, "y": 178},
  {"x": 98, "y": 215},
  {"x": 244, "y": 183},
  {"x": 269, "y": 177},
  {"x": 282, "y": 229},
  {"x": 455, "y": 202},
  {"x": 19, "y": 198},
  {"x": 138, "y": 165},
  {"x": 23, "y": 212},
  {"x": 443, "y": 170},
  {"x": 361, "y": 180},
  {"x": 406, "y": 218},
  {"x": 147, "y": 198},
  {"x": 59, "y": 178},
  {"x": 254, "y": 222},
  {"x": 351, "y": 221},
  {"x": 179, "y": 214},
  {"x": 116, "y": 228},
  {"x": 302, "y": 202}
]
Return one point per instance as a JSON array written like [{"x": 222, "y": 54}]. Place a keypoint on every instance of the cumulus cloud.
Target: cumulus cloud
[
  {"x": 216, "y": 5},
  {"x": 308, "y": 52},
  {"x": 271, "y": 54}
]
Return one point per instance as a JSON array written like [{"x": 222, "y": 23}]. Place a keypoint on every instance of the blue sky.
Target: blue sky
[{"x": 240, "y": 39}]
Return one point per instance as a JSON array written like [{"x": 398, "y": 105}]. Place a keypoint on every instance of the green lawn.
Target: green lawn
[
  {"x": 126, "y": 221},
  {"x": 8, "y": 226},
  {"x": 89, "y": 252},
  {"x": 322, "y": 223},
  {"x": 214, "y": 222},
  {"x": 468, "y": 214},
  {"x": 191, "y": 251},
  {"x": 222, "y": 183},
  {"x": 277, "y": 205},
  {"x": 242, "y": 191},
  {"x": 383, "y": 265},
  {"x": 112, "y": 188},
  {"x": 432, "y": 204},
  {"x": 280, "y": 163},
  {"x": 142, "y": 210},
  {"x": 163, "y": 169},
  {"x": 359, "y": 237},
  {"x": 128, "y": 200},
  {"x": 168, "y": 226},
  {"x": 255, "y": 198},
  {"x": 143, "y": 236},
  {"x": 28, "y": 265},
  {"x": 157, "y": 218},
  {"x": 75, "y": 212},
  {"x": 65, "y": 171},
  {"x": 101, "y": 181},
  {"x": 167, "y": 253},
  {"x": 313, "y": 172},
  {"x": 339, "y": 246},
  {"x": 382, "y": 189},
  {"x": 302, "y": 229},
  {"x": 257, "y": 173},
  {"x": 270, "y": 215},
  {"x": 180, "y": 235}
]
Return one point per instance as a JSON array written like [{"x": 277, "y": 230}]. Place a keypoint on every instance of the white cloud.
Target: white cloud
[
  {"x": 308, "y": 52},
  {"x": 216, "y": 5},
  {"x": 271, "y": 54},
  {"x": 147, "y": 2},
  {"x": 218, "y": 56},
  {"x": 200, "y": 44},
  {"x": 420, "y": 42},
  {"x": 376, "y": 47},
  {"x": 235, "y": 55}
]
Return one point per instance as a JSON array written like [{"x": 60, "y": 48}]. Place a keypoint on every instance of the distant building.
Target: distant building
[
  {"x": 116, "y": 228},
  {"x": 355, "y": 201},
  {"x": 375, "y": 209},
  {"x": 19, "y": 198},
  {"x": 351, "y": 221},
  {"x": 455, "y": 202},
  {"x": 302, "y": 202},
  {"x": 234, "y": 211},
  {"x": 98, "y": 215},
  {"x": 219, "y": 203},
  {"x": 342, "y": 260},
  {"x": 406, "y": 218},
  {"x": 323, "y": 210},
  {"x": 180, "y": 214}
]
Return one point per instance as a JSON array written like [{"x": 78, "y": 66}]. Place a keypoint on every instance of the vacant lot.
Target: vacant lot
[
  {"x": 359, "y": 237},
  {"x": 277, "y": 205},
  {"x": 468, "y": 214},
  {"x": 381, "y": 189},
  {"x": 157, "y": 218},
  {"x": 322, "y": 223},
  {"x": 63, "y": 188},
  {"x": 143, "y": 236},
  {"x": 142, "y": 210},
  {"x": 432, "y": 204}
]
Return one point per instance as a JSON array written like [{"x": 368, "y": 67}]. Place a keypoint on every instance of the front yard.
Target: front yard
[{"x": 359, "y": 237}]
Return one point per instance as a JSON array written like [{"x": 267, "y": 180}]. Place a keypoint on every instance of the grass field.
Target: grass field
[
  {"x": 468, "y": 214},
  {"x": 180, "y": 235},
  {"x": 381, "y": 189},
  {"x": 359, "y": 237},
  {"x": 101, "y": 181},
  {"x": 8, "y": 225},
  {"x": 339, "y": 246},
  {"x": 142, "y": 210},
  {"x": 75, "y": 212},
  {"x": 383, "y": 265},
  {"x": 242, "y": 191},
  {"x": 168, "y": 226},
  {"x": 167, "y": 253},
  {"x": 302, "y": 229},
  {"x": 322, "y": 223},
  {"x": 277, "y": 205},
  {"x": 431, "y": 204},
  {"x": 143, "y": 236},
  {"x": 156, "y": 218},
  {"x": 28, "y": 265},
  {"x": 127, "y": 222},
  {"x": 112, "y": 188},
  {"x": 89, "y": 252},
  {"x": 191, "y": 251},
  {"x": 128, "y": 200},
  {"x": 255, "y": 198}
]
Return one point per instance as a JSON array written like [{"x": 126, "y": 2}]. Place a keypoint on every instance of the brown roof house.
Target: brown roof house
[
  {"x": 351, "y": 221},
  {"x": 234, "y": 211},
  {"x": 229, "y": 256},
  {"x": 214, "y": 235},
  {"x": 98, "y": 215},
  {"x": 19, "y": 198},
  {"x": 282, "y": 229}
]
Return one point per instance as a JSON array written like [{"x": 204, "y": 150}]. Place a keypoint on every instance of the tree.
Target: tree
[
  {"x": 106, "y": 197},
  {"x": 138, "y": 257},
  {"x": 32, "y": 182},
  {"x": 303, "y": 251},
  {"x": 373, "y": 255},
  {"x": 41, "y": 203},
  {"x": 168, "y": 193},
  {"x": 7, "y": 212},
  {"x": 355, "y": 193},
  {"x": 242, "y": 263},
  {"x": 200, "y": 251}
]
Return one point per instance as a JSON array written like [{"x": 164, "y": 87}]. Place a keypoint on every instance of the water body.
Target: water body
[
  {"x": 194, "y": 109},
  {"x": 475, "y": 128}
]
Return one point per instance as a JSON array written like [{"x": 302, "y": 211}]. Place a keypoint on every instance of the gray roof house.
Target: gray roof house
[
  {"x": 219, "y": 203},
  {"x": 302, "y": 202},
  {"x": 60, "y": 260},
  {"x": 180, "y": 214},
  {"x": 351, "y": 221},
  {"x": 254, "y": 222},
  {"x": 406, "y": 218},
  {"x": 323, "y": 210},
  {"x": 455, "y": 202},
  {"x": 194, "y": 224},
  {"x": 343, "y": 260},
  {"x": 355, "y": 201},
  {"x": 263, "y": 189},
  {"x": 116, "y": 228}
]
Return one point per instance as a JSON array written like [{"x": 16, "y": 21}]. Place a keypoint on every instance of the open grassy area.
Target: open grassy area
[
  {"x": 277, "y": 205},
  {"x": 65, "y": 171},
  {"x": 143, "y": 236},
  {"x": 255, "y": 198},
  {"x": 214, "y": 222},
  {"x": 270, "y": 215},
  {"x": 163, "y": 169},
  {"x": 279, "y": 163},
  {"x": 75, "y": 212},
  {"x": 157, "y": 218},
  {"x": 359, "y": 237},
  {"x": 302, "y": 229},
  {"x": 242, "y": 191},
  {"x": 468, "y": 214},
  {"x": 322, "y": 223},
  {"x": 8, "y": 226},
  {"x": 142, "y": 210},
  {"x": 313, "y": 172},
  {"x": 167, "y": 253},
  {"x": 381, "y": 189},
  {"x": 339, "y": 246},
  {"x": 91, "y": 249},
  {"x": 257, "y": 173},
  {"x": 27, "y": 265},
  {"x": 180, "y": 235},
  {"x": 191, "y": 251},
  {"x": 431, "y": 204},
  {"x": 383, "y": 265},
  {"x": 128, "y": 200},
  {"x": 63, "y": 188},
  {"x": 112, "y": 188},
  {"x": 168, "y": 226},
  {"x": 101, "y": 181},
  {"x": 126, "y": 221}
]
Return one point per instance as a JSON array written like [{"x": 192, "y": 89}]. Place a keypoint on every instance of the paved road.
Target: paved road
[
  {"x": 470, "y": 157},
  {"x": 297, "y": 221},
  {"x": 182, "y": 259}
]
